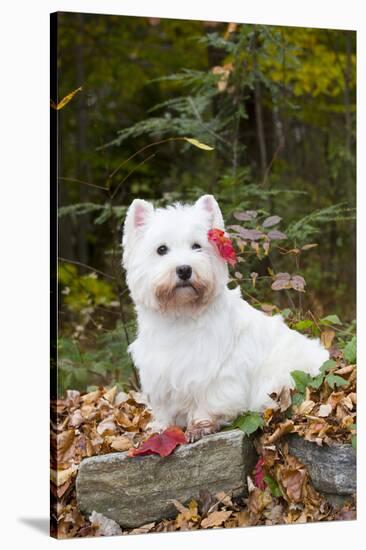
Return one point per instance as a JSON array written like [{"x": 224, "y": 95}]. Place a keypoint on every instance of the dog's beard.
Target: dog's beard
[{"x": 184, "y": 295}]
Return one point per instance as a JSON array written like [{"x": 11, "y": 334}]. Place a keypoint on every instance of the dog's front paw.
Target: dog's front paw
[
  {"x": 199, "y": 428},
  {"x": 156, "y": 426}
]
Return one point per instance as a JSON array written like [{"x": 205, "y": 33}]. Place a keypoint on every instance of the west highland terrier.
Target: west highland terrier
[{"x": 204, "y": 355}]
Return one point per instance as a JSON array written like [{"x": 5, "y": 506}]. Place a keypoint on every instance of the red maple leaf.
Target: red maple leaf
[
  {"x": 162, "y": 444},
  {"x": 223, "y": 245},
  {"x": 259, "y": 474}
]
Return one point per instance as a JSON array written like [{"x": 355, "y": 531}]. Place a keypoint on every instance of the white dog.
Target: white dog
[{"x": 204, "y": 354}]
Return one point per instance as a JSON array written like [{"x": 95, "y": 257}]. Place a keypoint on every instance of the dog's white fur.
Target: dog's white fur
[{"x": 203, "y": 353}]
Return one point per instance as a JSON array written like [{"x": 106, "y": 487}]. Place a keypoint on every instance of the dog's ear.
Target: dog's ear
[
  {"x": 209, "y": 204},
  {"x": 137, "y": 217}
]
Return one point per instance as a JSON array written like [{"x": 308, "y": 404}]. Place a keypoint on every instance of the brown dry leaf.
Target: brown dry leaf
[
  {"x": 335, "y": 398},
  {"x": 187, "y": 514},
  {"x": 283, "y": 428},
  {"x": 76, "y": 419},
  {"x": 293, "y": 477},
  {"x": 242, "y": 518},
  {"x": 267, "y": 416},
  {"x": 123, "y": 420},
  {"x": 344, "y": 370},
  {"x": 65, "y": 442},
  {"x": 193, "y": 510},
  {"x": 347, "y": 421},
  {"x": 110, "y": 395},
  {"x": 139, "y": 397},
  {"x": 353, "y": 397},
  {"x": 121, "y": 397},
  {"x": 143, "y": 529},
  {"x": 306, "y": 407},
  {"x": 327, "y": 338},
  {"x": 224, "y": 71},
  {"x": 88, "y": 411},
  {"x": 107, "y": 426},
  {"x": 285, "y": 399},
  {"x": 224, "y": 498},
  {"x": 121, "y": 443},
  {"x": 72, "y": 398},
  {"x": 274, "y": 515},
  {"x": 59, "y": 477},
  {"x": 91, "y": 397},
  {"x": 62, "y": 489},
  {"x": 180, "y": 507},
  {"x": 258, "y": 500},
  {"x": 215, "y": 519}
]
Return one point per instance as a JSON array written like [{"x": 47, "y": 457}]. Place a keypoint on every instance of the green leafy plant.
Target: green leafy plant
[
  {"x": 102, "y": 363},
  {"x": 248, "y": 422}
]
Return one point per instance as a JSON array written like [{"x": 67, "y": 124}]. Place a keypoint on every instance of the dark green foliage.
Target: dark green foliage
[
  {"x": 350, "y": 351},
  {"x": 106, "y": 362}
]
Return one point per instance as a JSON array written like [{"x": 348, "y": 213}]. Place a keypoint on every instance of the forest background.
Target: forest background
[{"x": 276, "y": 108}]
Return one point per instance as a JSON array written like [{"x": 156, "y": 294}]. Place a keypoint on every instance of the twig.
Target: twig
[
  {"x": 129, "y": 173},
  {"x": 142, "y": 150},
  {"x": 81, "y": 264},
  {"x": 268, "y": 169},
  {"x": 74, "y": 180}
]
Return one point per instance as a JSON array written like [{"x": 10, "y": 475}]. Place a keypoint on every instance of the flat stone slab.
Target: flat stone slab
[
  {"x": 139, "y": 490},
  {"x": 332, "y": 469}
]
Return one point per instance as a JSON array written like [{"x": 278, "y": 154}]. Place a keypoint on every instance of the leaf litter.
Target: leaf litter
[{"x": 322, "y": 411}]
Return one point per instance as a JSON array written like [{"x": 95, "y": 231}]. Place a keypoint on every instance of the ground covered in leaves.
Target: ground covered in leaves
[{"x": 320, "y": 409}]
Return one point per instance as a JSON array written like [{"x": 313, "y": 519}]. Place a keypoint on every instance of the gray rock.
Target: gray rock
[
  {"x": 332, "y": 469},
  {"x": 136, "y": 491}
]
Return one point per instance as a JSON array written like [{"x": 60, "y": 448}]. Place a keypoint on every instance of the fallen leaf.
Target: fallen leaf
[
  {"x": 223, "y": 498},
  {"x": 76, "y": 419},
  {"x": 215, "y": 519},
  {"x": 110, "y": 394},
  {"x": 107, "y": 427},
  {"x": 103, "y": 526},
  {"x": 121, "y": 397},
  {"x": 64, "y": 101},
  {"x": 65, "y": 441},
  {"x": 284, "y": 399},
  {"x": 283, "y": 428},
  {"x": 293, "y": 476},
  {"x": 306, "y": 407},
  {"x": 91, "y": 397},
  {"x": 258, "y": 474},
  {"x": 162, "y": 444},
  {"x": 223, "y": 245},
  {"x": 121, "y": 443},
  {"x": 72, "y": 398},
  {"x": 325, "y": 410},
  {"x": 258, "y": 500},
  {"x": 242, "y": 518},
  {"x": 143, "y": 529},
  {"x": 59, "y": 477}
]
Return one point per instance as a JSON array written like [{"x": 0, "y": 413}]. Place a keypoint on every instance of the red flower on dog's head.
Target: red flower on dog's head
[{"x": 223, "y": 245}]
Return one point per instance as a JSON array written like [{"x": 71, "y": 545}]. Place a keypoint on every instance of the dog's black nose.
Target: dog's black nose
[{"x": 184, "y": 272}]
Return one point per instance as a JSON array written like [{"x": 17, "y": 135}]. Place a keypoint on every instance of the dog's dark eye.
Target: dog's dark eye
[
  {"x": 163, "y": 249},
  {"x": 196, "y": 246}
]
